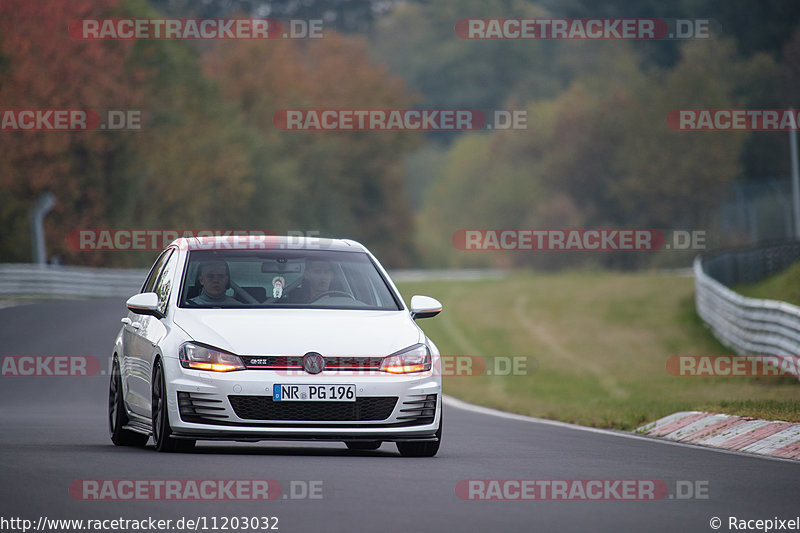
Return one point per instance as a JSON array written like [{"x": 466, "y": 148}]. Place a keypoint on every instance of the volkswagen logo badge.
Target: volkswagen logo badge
[{"x": 313, "y": 363}]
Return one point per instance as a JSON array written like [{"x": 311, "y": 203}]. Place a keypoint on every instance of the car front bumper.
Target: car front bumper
[{"x": 238, "y": 406}]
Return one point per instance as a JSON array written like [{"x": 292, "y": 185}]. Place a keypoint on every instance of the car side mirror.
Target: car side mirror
[
  {"x": 424, "y": 307},
  {"x": 145, "y": 303}
]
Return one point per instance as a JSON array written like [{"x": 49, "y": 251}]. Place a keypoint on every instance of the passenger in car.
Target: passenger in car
[
  {"x": 215, "y": 278},
  {"x": 317, "y": 279}
]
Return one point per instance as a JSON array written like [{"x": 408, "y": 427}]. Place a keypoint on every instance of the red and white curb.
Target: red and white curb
[{"x": 739, "y": 433}]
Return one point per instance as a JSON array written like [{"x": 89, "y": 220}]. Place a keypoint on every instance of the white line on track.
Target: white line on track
[{"x": 460, "y": 404}]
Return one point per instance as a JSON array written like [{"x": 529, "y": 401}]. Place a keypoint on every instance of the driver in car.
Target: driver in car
[
  {"x": 214, "y": 277},
  {"x": 316, "y": 281}
]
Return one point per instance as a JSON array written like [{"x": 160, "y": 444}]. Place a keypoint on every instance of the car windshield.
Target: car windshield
[{"x": 284, "y": 279}]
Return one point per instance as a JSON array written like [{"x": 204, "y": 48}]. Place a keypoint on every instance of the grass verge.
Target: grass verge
[
  {"x": 597, "y": 344},
  {"x": 784, "y": 286}
]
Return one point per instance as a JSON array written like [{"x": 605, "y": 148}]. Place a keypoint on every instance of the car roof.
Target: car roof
[{"x": 267, "y": 242}]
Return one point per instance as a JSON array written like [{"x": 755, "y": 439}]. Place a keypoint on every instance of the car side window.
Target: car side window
[
  {"x": 165, "y": 279},
  {"x": 150, "y": 282}
]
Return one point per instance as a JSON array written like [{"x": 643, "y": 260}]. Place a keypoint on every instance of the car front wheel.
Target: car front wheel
[
  {"x": 162, "y": 432},
  {"x": 117, "y": 416}
]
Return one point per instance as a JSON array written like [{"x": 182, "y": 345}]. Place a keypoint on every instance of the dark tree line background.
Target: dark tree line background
[{"x": 596, "y": 153}]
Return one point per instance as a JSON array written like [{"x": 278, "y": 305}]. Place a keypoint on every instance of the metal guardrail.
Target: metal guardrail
[
  {"x": 54, "y": 281},
  {"x": 749, "y": 326}
]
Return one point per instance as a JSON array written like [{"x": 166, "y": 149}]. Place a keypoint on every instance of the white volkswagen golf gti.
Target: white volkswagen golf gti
[{"x": 255, "y": 338}]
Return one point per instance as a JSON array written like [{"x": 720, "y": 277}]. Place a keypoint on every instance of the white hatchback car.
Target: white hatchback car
[{"x": 255, "y": 338}]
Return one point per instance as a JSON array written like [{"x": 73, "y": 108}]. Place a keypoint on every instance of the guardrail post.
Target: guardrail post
[
  {"x": 39, "y": 209},
  {"x": 795, "y": 180}
]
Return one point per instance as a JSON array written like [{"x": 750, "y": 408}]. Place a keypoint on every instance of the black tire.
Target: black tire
[
  {"x": 117, "y": 416},
  {"x": 421, "y": 449},
  {"x": 363, "y": 444},
  {"x": 162, "y": 432}
]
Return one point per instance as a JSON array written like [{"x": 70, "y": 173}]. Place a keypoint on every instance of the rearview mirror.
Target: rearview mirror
[
  {"x": 424, "y": 307},
  {"x": 280, "y": 267},
  {"x": 145, "y": 303}
]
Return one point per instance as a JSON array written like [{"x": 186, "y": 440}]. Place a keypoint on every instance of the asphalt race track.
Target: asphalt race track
[{"x": 53, "y": 432}]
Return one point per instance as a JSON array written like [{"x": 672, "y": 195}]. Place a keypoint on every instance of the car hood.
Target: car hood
[{"x": 298, "y": 331}]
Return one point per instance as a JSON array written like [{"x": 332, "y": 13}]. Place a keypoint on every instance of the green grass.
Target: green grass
[
  {"x": 784, "y": 286},
  {"x": 597, "y": 345}
]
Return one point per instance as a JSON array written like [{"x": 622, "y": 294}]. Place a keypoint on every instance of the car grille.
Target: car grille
[
  {"x": 200, "y": 407},
  {"x": 263, "y": 408},
  {"x": 295, "y": 362},
  {"x": 419, "y": 411}
]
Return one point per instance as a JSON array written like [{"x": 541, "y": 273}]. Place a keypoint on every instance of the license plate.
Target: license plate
[{"x": 313, "y": 393}]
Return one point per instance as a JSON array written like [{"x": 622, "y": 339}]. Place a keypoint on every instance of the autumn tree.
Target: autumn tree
[
  {"x": 344, "y": 184},
  {"x": 190, "y": 165}
]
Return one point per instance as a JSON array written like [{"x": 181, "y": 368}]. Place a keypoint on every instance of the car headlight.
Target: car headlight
[
  {"x": 415, "y": 358},
  {"x": 199, "y": 357}
]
